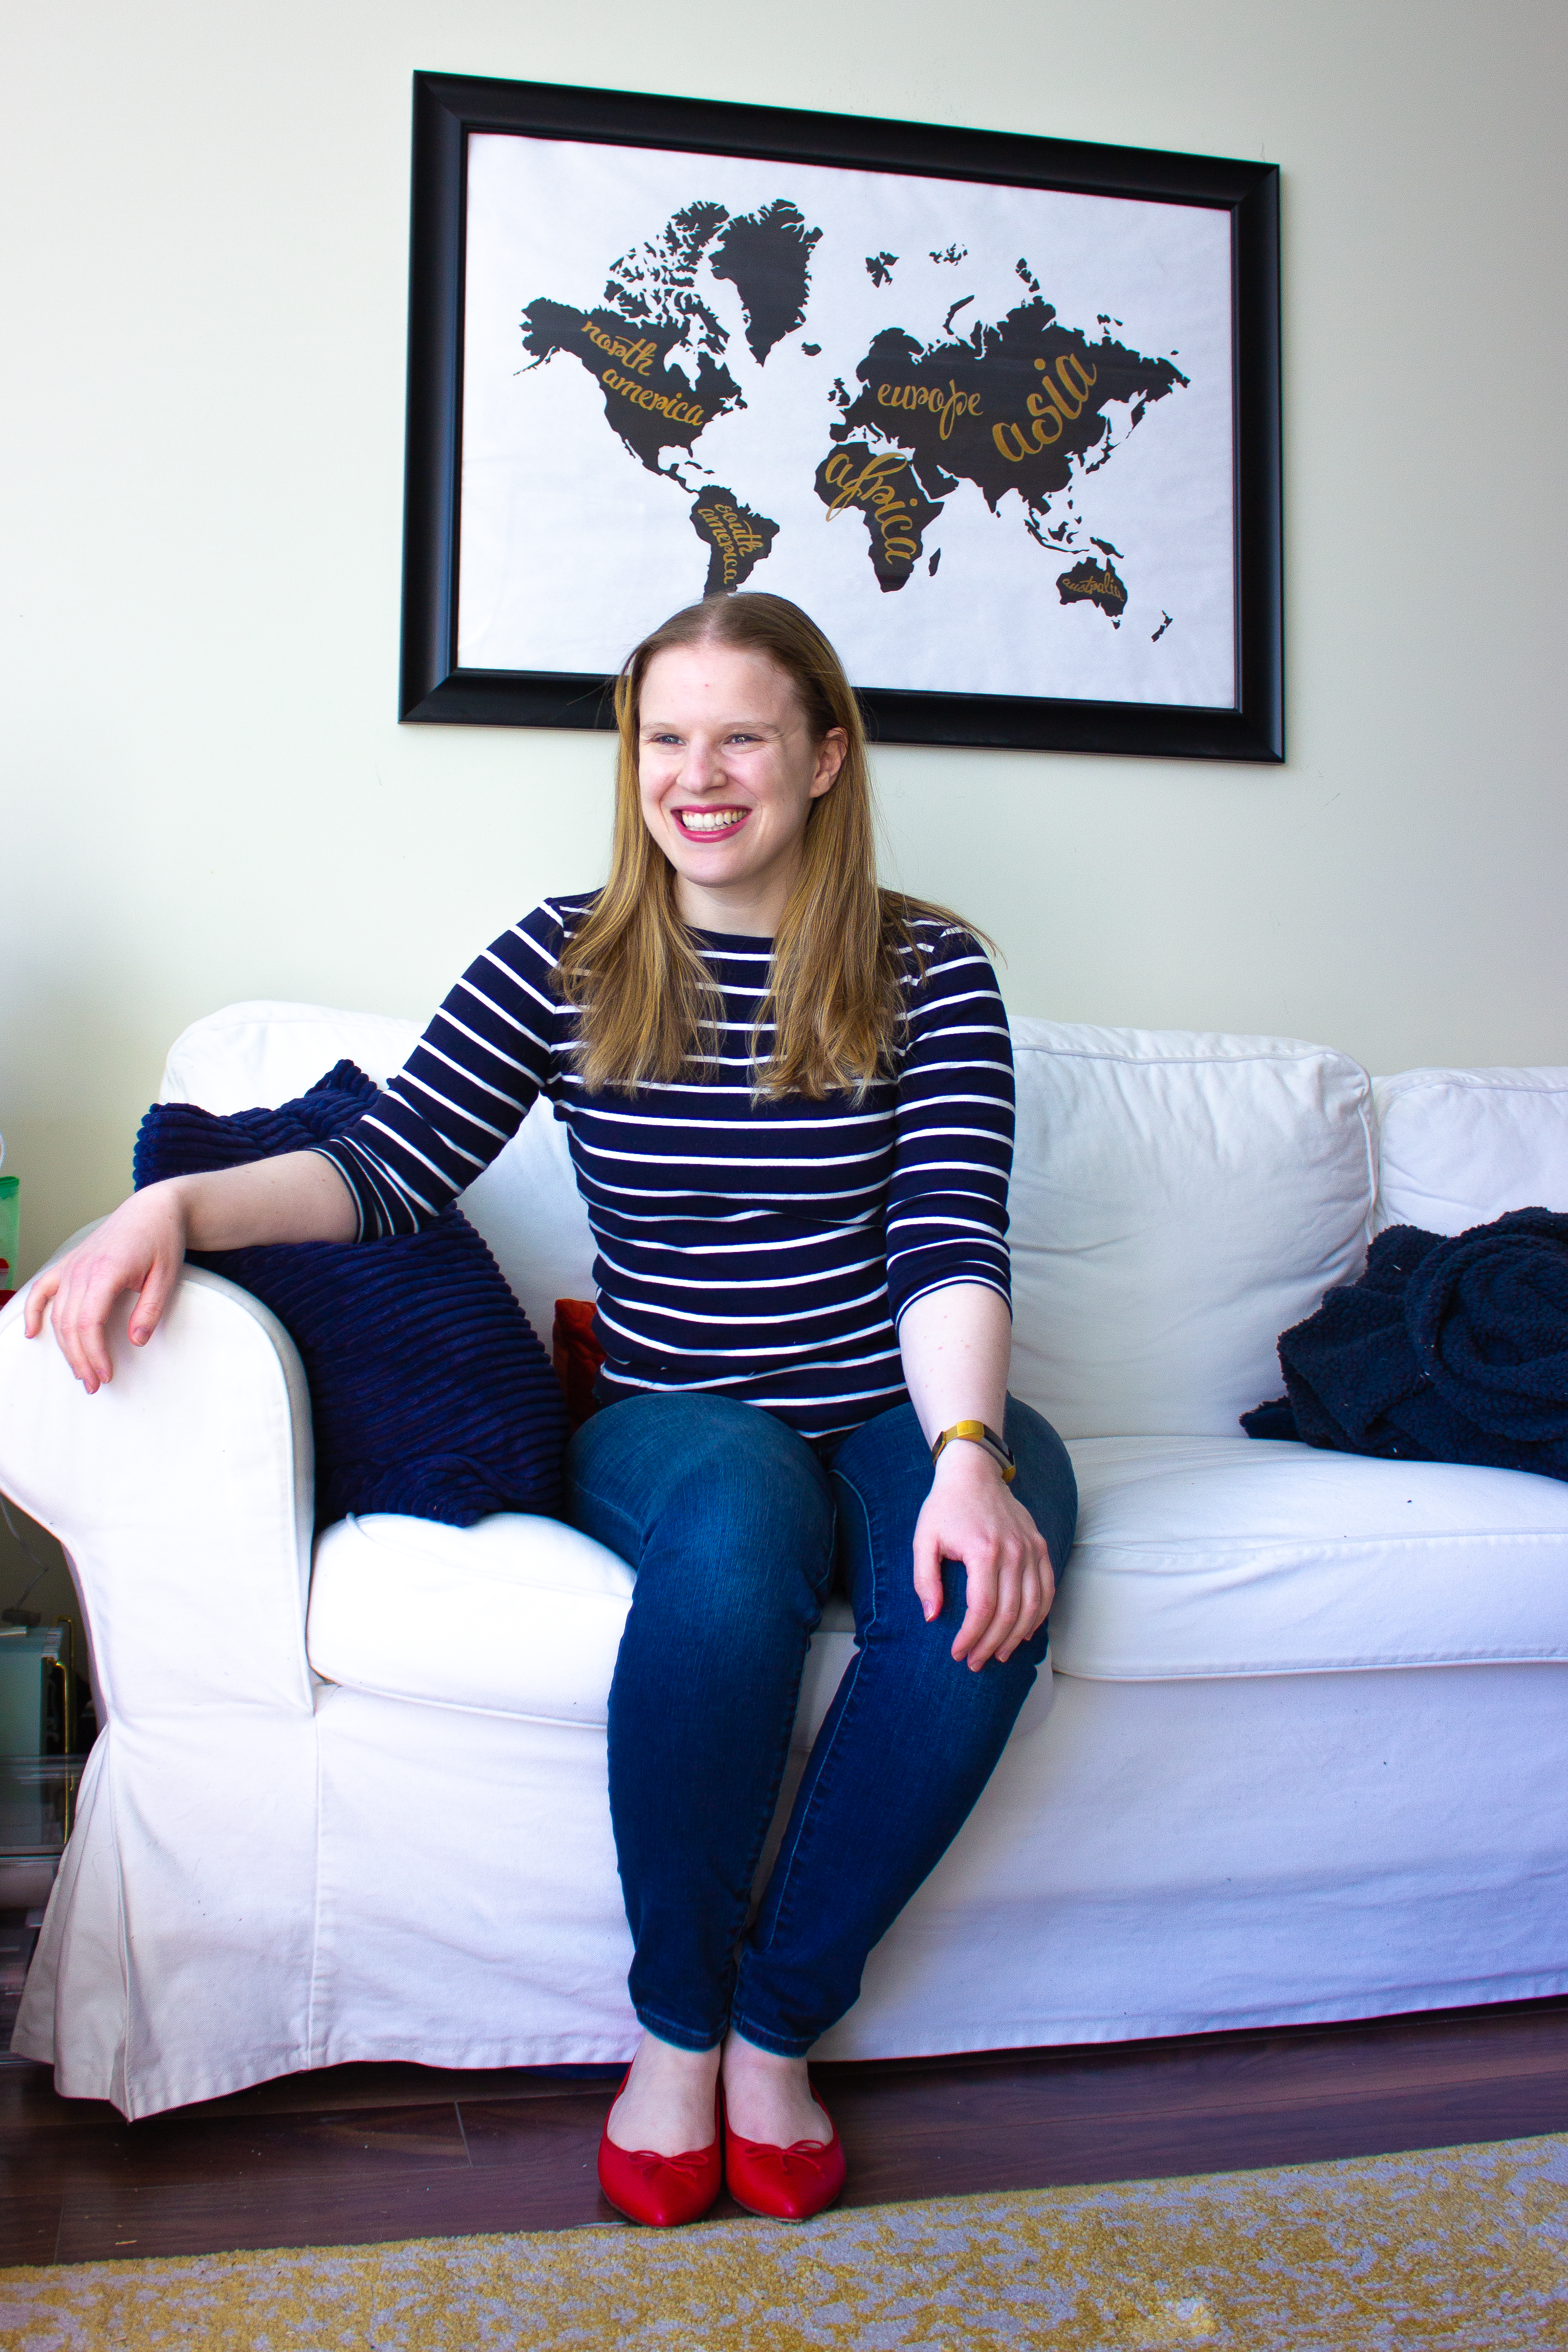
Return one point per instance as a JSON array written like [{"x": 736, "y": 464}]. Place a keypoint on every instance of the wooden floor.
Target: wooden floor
[{"x": 361, "y": 2153}]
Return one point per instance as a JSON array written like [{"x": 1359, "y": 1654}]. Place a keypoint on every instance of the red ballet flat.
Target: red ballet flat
[
  {"x": 787, "y": 2184},
  {"x": 662, "y": 2191}
]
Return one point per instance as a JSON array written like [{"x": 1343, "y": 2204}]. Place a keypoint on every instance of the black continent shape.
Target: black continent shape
[
  {"x": 653, "y": 407},
  {"x": 737, "y": 538},
  {"x": 1008, "y": 407},
  {"x": 766, "y": 256},
  {"x": 1094, "y": 583},
  {"x": 880, "y": 487}
]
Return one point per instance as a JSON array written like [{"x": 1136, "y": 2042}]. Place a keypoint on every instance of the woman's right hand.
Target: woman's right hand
[
  {"x": 141, "y": 1247},
  {"x": 298, "y": 1197}
]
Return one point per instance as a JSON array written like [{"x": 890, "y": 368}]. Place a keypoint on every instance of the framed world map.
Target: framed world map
[{"x": 1001, "y": 413}]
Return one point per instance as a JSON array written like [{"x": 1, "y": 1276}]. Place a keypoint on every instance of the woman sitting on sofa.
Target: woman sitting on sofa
[{"x": 790, "y": 1101}]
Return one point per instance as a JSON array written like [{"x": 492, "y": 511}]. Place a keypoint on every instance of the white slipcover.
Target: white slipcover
[{"x": 1301, "y": 1755}]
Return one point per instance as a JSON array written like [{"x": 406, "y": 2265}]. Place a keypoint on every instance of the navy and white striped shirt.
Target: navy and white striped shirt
[{"x": 761, "y": 1250}]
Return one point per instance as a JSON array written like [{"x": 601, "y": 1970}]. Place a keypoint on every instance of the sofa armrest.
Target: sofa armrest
[{"x": 182, "y": 1493}]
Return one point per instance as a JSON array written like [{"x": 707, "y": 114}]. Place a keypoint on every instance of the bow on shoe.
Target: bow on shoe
[
  {"x": 691, "y": 2164},
  {"x": 801, "y": 2155}
]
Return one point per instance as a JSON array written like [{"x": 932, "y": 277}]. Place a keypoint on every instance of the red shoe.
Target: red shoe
[
  {"x": 787, "y": 2184},
  {"x": 662, "y": 2191}
]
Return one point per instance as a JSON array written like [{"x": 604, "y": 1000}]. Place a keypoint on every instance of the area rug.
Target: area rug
[{"x": 1463, "y": 2249}]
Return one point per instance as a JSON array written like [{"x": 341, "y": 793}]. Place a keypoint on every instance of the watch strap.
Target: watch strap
[{"x": 978, "y": 1433}]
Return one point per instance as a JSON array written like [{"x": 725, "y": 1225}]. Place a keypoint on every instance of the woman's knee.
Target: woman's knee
[{"x": 1045, "y": 1485}]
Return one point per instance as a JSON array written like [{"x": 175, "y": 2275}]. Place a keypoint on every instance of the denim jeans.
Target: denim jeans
[{"x": 737, "y": 1528}]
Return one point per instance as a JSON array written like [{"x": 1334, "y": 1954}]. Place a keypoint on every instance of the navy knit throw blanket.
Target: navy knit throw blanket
[{"x": 1446, "y": 1350}]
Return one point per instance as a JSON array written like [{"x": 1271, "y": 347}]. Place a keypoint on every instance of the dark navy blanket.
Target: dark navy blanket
[{"x": 1446, "y": 1350}]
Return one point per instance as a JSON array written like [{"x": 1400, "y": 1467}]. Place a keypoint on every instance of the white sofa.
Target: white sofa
[{"x": 1302, "y": 1756}]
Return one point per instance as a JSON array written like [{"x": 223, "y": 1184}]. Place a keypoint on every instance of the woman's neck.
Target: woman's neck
[{"x": 748, "y": 913}]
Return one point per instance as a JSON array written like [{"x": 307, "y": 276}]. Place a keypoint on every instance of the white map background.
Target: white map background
[{"x": 572, "y": 548}]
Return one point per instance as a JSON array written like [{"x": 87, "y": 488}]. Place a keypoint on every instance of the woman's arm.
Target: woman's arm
[
  {"x": 956, "y": 1343},
  {"x": 947, "y": 1286},
  {"x": 298, "y": 1197}
]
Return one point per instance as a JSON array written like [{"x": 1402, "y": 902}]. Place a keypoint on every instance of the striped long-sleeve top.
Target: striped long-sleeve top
[{"x": 764, "y": 1249}]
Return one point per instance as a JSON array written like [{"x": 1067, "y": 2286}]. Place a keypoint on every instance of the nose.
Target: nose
[{"x": 701, "y": 768}]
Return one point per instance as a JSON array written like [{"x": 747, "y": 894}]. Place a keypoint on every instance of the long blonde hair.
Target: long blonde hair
[{"x": 645, "y": 998}]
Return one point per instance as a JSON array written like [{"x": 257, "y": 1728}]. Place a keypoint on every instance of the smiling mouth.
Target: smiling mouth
[{"x": 709, "y": 824}]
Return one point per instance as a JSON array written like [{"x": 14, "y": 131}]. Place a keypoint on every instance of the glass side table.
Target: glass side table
[
  {"x": 37, "y": 1804},
  {"x": 39, "y": 1775},
  {"x": 36, "y": 1690}
]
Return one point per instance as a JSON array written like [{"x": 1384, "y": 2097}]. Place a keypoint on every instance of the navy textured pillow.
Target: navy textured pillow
[{"x": 429, "y": 1392}]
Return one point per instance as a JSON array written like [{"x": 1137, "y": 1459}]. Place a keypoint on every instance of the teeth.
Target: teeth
[{"x": 710, "y": 820}]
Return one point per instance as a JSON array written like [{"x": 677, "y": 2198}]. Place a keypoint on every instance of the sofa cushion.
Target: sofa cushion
[
  {"x": 1223, "y": 1556},
  {"x": 1178, "y": 1201},
  {"x": 517, "y": 1616},
  {"x": 526, "y": 1205},
  {"x": 1457, "y": 1147},
  {"x": 1197, "y": 1558}
]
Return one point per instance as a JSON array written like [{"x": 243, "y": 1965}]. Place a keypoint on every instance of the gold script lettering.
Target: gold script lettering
[
  {"x": 642, "y": 396},
  {"x": 1021, "y": 450},
  {"x": 1054, "y": 405},
  {"x": 949, "y": 406},
  {"x": 640, "y": 355},
  {"x": 733, "y": 538},
  {"x": 1065, "y": 395},
  {"x": 1096, "y": 583},
  {"x": 872, "y": 488}
]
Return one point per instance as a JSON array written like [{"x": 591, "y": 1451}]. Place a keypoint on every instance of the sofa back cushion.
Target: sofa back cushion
[
  {"x": 1178, "y": 1201},
  {"x": 1457, "y": 1147},
  {"x": 267, "y": 1052}
]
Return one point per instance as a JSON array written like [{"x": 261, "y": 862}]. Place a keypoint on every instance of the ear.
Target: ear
[{"x": 831, "y": 754}]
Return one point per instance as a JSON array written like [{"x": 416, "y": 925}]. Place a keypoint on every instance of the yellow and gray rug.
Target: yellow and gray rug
[{"x": 1461, "y": 2250}]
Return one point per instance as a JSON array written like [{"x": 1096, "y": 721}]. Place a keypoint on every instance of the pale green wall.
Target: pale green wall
[{"x": 207, "y": 796}]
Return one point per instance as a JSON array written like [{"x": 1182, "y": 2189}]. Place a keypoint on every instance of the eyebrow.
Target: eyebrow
[{"x": 755, "y": 726}]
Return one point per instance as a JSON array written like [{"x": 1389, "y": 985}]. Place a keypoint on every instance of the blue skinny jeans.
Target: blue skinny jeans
[{"x": 737, "y": 1529}]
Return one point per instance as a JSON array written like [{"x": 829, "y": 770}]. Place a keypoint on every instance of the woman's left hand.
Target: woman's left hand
[{"x": 970, "y": 1515}]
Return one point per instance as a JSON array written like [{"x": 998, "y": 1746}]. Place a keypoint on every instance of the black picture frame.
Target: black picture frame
[{"x": 447, "y": 107}]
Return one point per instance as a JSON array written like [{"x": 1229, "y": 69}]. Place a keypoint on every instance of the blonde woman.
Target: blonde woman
[{"x": 790, "y": 1104}]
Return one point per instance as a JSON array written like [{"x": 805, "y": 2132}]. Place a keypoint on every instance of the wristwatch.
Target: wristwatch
[{"x": 977, "y": 1433}]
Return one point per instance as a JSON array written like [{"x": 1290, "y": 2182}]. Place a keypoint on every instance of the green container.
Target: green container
[{"x": 10, "y": 1246}]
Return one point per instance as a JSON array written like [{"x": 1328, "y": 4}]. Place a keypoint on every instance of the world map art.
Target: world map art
[
  {"x": 1007, "y": 406},
  {"x": 951, "y": 448}
]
